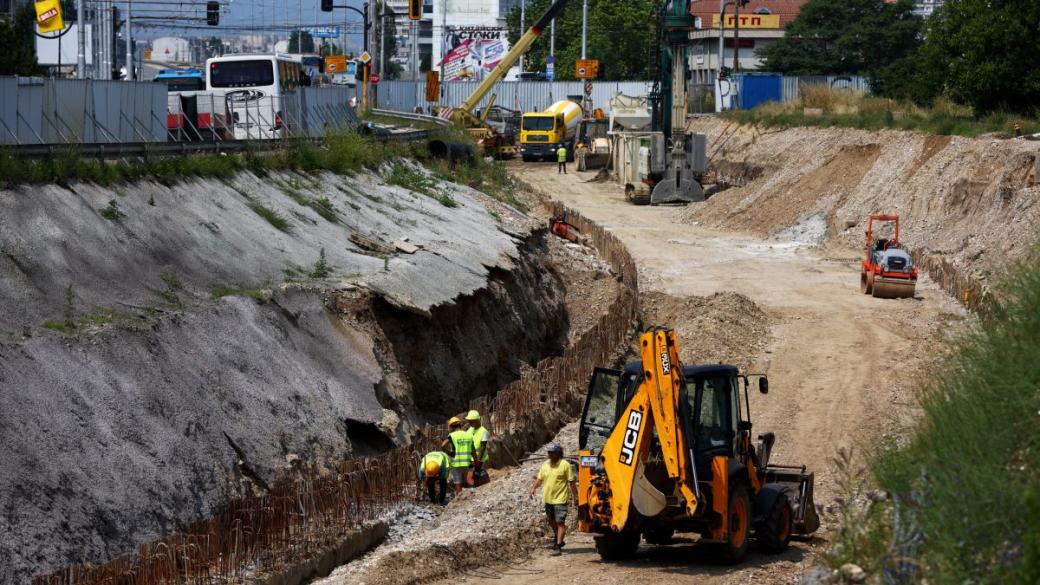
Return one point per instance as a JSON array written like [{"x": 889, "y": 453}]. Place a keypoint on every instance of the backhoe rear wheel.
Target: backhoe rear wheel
[
  {"x": 736, "y": 548},
  {"x": 773, "y": 531},
  {"x": 865, "y": 282},
  {"x": 617, "y": 546}
]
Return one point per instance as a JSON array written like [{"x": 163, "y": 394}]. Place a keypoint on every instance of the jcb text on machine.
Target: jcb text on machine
[{"x": 667, "y": 448}]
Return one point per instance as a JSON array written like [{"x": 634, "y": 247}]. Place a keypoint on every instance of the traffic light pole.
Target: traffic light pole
[{"x": 364, "y": 17}]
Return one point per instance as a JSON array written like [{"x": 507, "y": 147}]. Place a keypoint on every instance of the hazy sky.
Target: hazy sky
[{"x": 238, "y": 16}]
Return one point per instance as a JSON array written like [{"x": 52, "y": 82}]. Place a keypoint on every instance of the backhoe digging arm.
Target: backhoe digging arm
[{"x": 655, "y": 404}]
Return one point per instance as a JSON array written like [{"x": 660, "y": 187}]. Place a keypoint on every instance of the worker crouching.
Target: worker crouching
[{"x": 433, "y": 474}]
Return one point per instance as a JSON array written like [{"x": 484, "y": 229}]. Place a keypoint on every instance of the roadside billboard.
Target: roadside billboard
[{"x": 471, "y": 52}]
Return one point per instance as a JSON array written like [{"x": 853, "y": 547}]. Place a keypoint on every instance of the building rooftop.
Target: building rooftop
[{"x": 787, "y": 9}]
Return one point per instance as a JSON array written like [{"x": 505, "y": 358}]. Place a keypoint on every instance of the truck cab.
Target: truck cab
[{"x": 541, "y": 135}]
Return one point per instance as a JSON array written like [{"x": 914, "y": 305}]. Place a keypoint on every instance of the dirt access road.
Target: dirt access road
[{"x": 829, "y": 349}]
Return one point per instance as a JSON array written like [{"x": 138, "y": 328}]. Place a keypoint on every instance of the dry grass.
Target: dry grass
[{"x": 853, "y": 109}]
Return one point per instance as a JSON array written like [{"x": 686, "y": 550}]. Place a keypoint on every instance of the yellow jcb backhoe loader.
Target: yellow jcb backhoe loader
[{"x": 667, "y": 448}]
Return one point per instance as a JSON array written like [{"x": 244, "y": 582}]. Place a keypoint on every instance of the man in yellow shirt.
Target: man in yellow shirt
[{"x": 554, "y": 477}]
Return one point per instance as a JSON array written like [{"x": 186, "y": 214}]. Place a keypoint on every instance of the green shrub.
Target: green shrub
[
  {"x": 962, "y": 503},
  {"x": 413, "y": 179},
  {"x": 321, "y": 267},
  {"x": 112, "y": 212},
  {"x": 273, "y": 217}
]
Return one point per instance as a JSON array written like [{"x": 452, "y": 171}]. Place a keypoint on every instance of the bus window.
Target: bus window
[{"x": 252, "y": 73}]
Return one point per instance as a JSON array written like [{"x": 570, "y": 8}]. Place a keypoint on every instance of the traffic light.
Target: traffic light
[
  {"x": 359, "y": 73},
  {"x": 326, "y": 5},
  {"x": 212, "y": 13},
  {"x": 415, "y": 9},
  {"x": 723, "y": 72}
]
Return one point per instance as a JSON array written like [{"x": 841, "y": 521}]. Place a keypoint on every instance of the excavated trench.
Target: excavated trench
[{"x": 120, "y": 432}]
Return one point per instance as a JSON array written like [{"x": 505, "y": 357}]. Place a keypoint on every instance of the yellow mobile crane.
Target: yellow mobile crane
[
  {"x": 487, "y": 137},
  {"x": 665, "y": 447}
]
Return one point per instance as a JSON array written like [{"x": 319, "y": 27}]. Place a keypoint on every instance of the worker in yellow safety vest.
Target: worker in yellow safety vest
[
  {"x": 481, "y": 438},
  {"x": 460, "y": 444},
  {"x": 433, "y": 473}
]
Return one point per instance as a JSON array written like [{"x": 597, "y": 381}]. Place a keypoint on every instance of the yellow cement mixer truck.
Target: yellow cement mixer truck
[{"x": 543, "y": 133}]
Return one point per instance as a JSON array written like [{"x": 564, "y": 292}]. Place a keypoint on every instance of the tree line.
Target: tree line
[{"x": 982, "y": 53}]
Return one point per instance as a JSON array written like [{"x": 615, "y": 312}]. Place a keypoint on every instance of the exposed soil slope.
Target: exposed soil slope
[{"x": 973, "y": 201}]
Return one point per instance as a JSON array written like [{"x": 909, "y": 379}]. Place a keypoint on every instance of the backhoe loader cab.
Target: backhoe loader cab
[{"x": 663, "y": 452}]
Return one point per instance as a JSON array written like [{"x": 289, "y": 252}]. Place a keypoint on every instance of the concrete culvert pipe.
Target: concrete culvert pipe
[{"x": 454, "y": 151}]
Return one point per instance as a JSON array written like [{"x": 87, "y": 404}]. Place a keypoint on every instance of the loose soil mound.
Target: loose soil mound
[{"x": 726, "y": 327}]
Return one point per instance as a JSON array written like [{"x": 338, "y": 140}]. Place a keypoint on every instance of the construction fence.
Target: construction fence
[
  {"x": 36, "y": 110},
  {"x": 526, "y": 96},
  {"x": 747, "y": 90},
  {"x": 268, "y": 534}
]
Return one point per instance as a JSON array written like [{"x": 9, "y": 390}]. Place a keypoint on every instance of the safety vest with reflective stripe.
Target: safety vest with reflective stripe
[
  {"x": 479, "y": 435},
  {"x": 463, "y": 443},
  {"x": 440, "y": 457}
]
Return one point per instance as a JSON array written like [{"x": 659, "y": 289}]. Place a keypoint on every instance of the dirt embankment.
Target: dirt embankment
[
  {"x": 181, "y": 348},
  {"x": 970, "y": 201}
]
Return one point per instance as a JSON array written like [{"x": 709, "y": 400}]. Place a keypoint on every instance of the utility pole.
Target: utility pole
[
  {"x": 129, "y": 43},
  {"x": 81, "y": 51},
  {"x": 736, "y": 36},
  {"x": 382, "y": 37},
  {"x": 552, "y": 38},
  {"x": 722, "y": 35},
  {"x": 584, "y": 26}
]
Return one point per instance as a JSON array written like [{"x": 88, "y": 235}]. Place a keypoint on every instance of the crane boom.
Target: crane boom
[{"x": 464, "y": 113}]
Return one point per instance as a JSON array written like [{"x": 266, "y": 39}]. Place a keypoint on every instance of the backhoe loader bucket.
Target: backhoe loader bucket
[
  {"x": 686, "y": 190},
  {"x": 800, "y": 486},
  {"x": 893, "y": 288}
]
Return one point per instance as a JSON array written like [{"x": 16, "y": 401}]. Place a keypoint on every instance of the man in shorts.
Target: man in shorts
[{"x": 554, "y": 477}]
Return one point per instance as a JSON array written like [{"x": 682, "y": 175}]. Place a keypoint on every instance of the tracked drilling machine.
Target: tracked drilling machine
[
  {"x": 666, "y": 447},
  {"x": 677, "y": 178}
]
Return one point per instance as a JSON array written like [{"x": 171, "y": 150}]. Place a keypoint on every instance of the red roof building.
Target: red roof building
[{"x": 762, "y": 22}]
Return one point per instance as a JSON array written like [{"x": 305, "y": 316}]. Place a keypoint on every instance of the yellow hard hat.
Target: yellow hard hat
[
  {"x": 433, "y": 468},
  {"x": 454, "y": 421},
  {"x": 473, "y": 415}
]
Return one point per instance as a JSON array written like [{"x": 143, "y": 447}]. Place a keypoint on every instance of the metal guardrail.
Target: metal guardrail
[
  {"x": 411, "y": 116},
  {"x": 113, "y": 150}
]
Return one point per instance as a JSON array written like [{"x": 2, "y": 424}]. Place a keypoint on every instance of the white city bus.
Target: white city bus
[{"x": 260, "y": 92}]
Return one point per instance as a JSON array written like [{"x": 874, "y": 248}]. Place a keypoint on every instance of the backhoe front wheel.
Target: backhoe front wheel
[
  {"x": 617, "y": 546},
  {"x": 773, "y": 531},
  {"x": 735, "y": 549}
]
